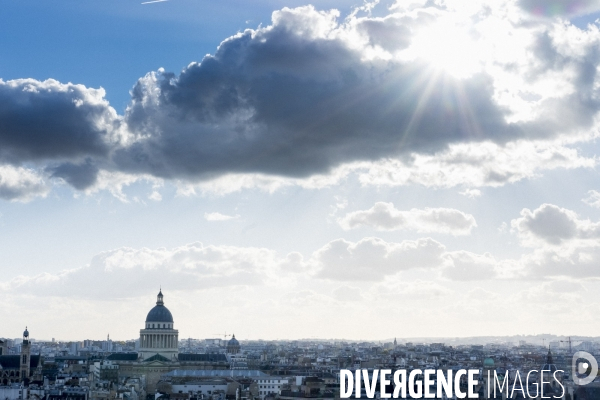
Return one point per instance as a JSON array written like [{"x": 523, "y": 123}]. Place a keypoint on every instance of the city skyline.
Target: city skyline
[{"x": 393, "y": 168}]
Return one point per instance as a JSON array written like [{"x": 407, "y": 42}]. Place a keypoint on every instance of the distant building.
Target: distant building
[
  {"x": 22, "y": 367},
  {"x": 233, "y": 346},
  {"x": 159, "y": 338},
  {"x": 105, "y": 371},
  {"x": 159, "y": 354}
]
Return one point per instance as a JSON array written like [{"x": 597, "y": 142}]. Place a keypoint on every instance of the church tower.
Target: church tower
[{"x": 25, "y": 355}]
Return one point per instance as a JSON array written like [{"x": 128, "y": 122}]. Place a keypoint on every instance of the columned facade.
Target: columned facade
[{"x": 158, "y": 335}]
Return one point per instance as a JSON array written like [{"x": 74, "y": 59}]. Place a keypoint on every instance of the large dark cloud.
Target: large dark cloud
[
  {"x": 80, "y": 176},
  {"x": 49, "y": 120},
  {"x": 290, "y": 101},
  {"x": 295, "y": 98}
]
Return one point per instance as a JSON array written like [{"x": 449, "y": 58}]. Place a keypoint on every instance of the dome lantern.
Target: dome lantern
[
  {"x": 159, "y": 298},
  {"x": 159, "y": 313}
]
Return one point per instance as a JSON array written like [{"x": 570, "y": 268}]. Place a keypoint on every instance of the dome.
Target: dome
[
  {"x": 159, "y": 313},
  {"x": 488, "y": 363},
  {"x": 26, "y": 333},
  {"x": 233, "y": 342}
]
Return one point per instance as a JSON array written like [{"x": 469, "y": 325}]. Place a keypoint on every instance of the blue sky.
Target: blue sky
[
  {"x": 390, "y": 166},
  {"x": 110, "y": 44}
]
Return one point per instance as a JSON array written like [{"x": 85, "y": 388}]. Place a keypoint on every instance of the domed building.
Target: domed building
[
  {"x": 549, "y": 379},
  {"x": 158, "y": 338},
  {"x": 489, "y": 363},
  {"x": 487, "y": 377},
  {"x": 233, "y": 346}
]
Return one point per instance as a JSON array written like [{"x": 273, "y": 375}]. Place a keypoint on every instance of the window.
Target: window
[{"x": 24, "y": 358}]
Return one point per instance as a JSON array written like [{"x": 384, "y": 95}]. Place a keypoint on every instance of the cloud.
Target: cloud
[
  {"x": 467, "y": 266},
  {"x": 155, "y": 195},
  {"x": 564, "y": 245},
  {"x": 473, "y": 165},
  {"x": 552, "y": 225},
  {"x": 312, "y": 93},
  {"x": 556, "y": 293},
  {"x": 217, "y": 216},
  {"x": 21, "y": 184},
  {"x": 114, "y": 182},
  {"x": 384, "y": 216},
  {"x": 128, "y": 271},
  {"x": 48, "y": 120},
  {"x": 371, "y": 259},
  {"x": 302, "y": 95},
  {"x": 471, "y": 193},
  {"x": 593, "y": 199},
  {"x": 294, "y": 262},
  {"x": 577, "y": 261},
  {"x": 563, "y": 8},
  {"x": 80, "y": 176}
]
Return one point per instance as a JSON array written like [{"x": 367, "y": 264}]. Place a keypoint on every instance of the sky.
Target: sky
[{"x": 289, "y": 170}]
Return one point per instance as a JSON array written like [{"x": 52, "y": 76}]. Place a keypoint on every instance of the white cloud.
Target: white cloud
[
  {"x": 217, "y": 216},
  {"x": 555, "y": 292},
  {"x": 127, "y": 271},
  {"x": 471, "y": 193},
  {"x": 115, "y": 182},
  {"x": 474, "y": 165},
  {"x": 155, "y": 195},
  {"x": 21, "y": 184},
  {"x": 384, "y": 216},
  {"x": 553, "y": 225},
  {"x": 593, "y": 199},
  {"x": 467, "y": 266},
  {"x": 371, "y": 259}
]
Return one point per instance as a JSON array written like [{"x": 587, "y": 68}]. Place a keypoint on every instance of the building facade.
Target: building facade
[{"x": 21, "y": 367}]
